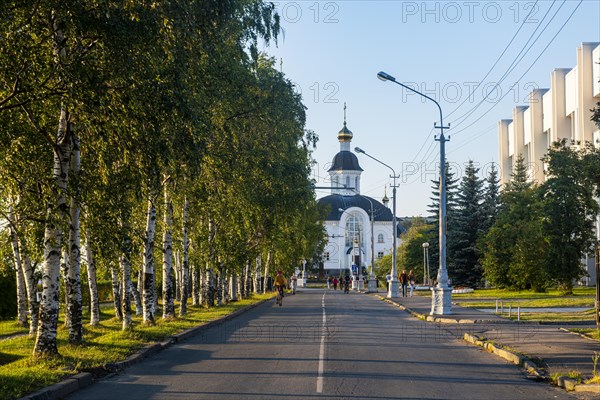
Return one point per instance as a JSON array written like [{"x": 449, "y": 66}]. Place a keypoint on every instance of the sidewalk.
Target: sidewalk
[{"x": 551, "y": 347}]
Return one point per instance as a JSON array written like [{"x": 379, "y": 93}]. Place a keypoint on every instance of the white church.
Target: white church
[{"x": 359, "y": 228}]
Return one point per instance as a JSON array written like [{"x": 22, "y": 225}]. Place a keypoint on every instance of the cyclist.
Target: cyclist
[
  {"x": 347, "y": 284},
  {"x": 280, "y": 283}
]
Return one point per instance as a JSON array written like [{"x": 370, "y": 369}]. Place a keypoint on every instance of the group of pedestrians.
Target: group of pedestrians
[{"x": 343, "y": 282}]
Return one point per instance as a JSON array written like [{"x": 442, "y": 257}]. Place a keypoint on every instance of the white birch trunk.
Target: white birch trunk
[
  {"x": 241, "y": 287},
  {"x": 185, "y": 264},
  {"x": 210, "y": 283},
  {"x": 92, "y": 283},
  {"x": 233, "y": 286},
  {"x": 31, "y": 286},
  {"x": 177, "y": 273},
  {"x": 148, "y": 277},
  {"x": 116, "y": 290},
  {"x": 64, "y": 270},
  {"x": 20, "y": 279},
  {"x": 167, "y": 281},
  {"x": 195, "y": 284},
  {"x": 125, "y": 262},
  {"x": 48, "y": 315},
  {"x": 210, "y": 287},
  {"x": 219, "y": 289},
  {"x": 248, "y": 279},
  {"x": 257, "y": 278},
  {"x": 73, "y": 287},
  {"x": 136, "y": 296},
  {"x": 266, "y": 274}
]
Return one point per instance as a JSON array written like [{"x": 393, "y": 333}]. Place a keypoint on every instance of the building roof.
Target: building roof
[
  {"x": 338, "y": 201},
  {"x": 335, "y": 202},
  {"x": 345, "y": 161}
]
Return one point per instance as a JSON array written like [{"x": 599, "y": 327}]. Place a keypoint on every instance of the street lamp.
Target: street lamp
[
  {"x": 372, "y": 284},
  {"x": 393, "y": 286},
  {"x": 425, "y": 263},
  {"x": 441, "y": 294},
  {"x": 303, "y": 273}
]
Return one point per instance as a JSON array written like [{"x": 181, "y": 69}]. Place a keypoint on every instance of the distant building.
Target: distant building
[
  {"x": 348, "y": 222},
  {"x": 560, "y": 112}
]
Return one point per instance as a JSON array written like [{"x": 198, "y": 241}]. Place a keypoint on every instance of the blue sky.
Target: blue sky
[{"x": 332, "y": 51}]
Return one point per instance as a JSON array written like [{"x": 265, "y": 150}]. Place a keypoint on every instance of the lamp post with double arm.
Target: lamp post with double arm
[
  {"x": 393, "y": 286},
  {"x": 441, "y": 297}
]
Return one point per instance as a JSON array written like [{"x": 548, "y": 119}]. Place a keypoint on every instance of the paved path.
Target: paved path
[
  {"x": 561, "y": 352},
  {"x": 369, "y": 349}
]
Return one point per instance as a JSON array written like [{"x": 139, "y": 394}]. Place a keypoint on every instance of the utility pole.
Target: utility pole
[{"x": 598, "y": 286}]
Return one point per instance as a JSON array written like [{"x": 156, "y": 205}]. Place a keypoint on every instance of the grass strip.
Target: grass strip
[{"x": 21, "y": 373}]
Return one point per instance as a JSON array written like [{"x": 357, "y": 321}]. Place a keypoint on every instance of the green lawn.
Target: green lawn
[
  {"x": 554, "y": 317},
  {"x": 20, "y": 373},
  {"x": 486, "y": 298},
  {"x": 9, "y": 328},
  {"x": 594, "y": 333}
]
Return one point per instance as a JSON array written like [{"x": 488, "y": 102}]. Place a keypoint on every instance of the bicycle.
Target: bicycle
[{"x": 279, "y": 298}]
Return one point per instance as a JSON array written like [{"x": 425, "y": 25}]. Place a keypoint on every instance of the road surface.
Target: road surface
[{"x": 323, "y": 344}]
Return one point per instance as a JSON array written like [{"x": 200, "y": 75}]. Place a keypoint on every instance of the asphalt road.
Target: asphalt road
[{"x": 367, "y": 349}]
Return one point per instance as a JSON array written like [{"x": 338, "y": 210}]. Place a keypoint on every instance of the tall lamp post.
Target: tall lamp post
[
  {"x": 425, "y": 263},
  {"x": 393, "y": 287},
  {"x": 372, "y": 286},
  {"x": 441, "y": 297},
  {"x": 303, "y": 273}
]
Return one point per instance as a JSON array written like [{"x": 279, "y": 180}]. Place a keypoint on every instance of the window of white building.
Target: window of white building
[
  {"x": 379, "y": 255},
  {"x": 326, "y": 256},
  {"x": 354, "y": 229},
  {"x": 380, "y": 238}
]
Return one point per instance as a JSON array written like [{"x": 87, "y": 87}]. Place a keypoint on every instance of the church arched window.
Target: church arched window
[
  {"x": 347, "y": 182},
  {"x": 354, "y": 230},
  {"x": 356, "y": 184},
  {"x": 380, "y": 238}
]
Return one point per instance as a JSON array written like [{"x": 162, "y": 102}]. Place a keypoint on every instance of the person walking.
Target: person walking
[
  {"x": 403, "y": 278},
  {"x": 329, "y": 282},
  {"x": 294, "y": 284},
  {"x": 335, "y": 283},
  {"x": 411, "y": 282}
]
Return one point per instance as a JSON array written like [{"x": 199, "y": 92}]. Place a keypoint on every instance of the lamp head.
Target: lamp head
[
  {"x": 425, "y": 245},
  {"x": 385, "y": 76},
  {"x": 359, "y": 150}
]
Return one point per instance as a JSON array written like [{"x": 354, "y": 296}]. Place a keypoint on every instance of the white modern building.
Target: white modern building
[
  {"x": 559, "y": 112},
  {"x": 359, "y": 228}
]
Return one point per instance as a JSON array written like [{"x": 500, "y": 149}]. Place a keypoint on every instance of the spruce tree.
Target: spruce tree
[
  {"x": 467, "y": 225},
  {"x": 490, "y": 199},
  {"x": 513, "y": 248}
]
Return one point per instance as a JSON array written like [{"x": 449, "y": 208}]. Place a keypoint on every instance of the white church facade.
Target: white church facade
[{"x": 359, "y": 228}]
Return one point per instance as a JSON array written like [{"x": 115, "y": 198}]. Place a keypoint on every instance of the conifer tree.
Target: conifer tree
[
  {"x": 467, "y": 226},
  {"x": 490, "y": 199},
  {"x": 513, "y": 248}
]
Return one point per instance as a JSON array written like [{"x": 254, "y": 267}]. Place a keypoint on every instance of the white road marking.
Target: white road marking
[{"x": 322, "y": 349}]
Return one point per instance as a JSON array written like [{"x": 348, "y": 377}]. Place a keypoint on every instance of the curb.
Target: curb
[
  {"x": 76, "y": 382},
  {"x": 517, "y": 359},
  {"x": 581, "y": 335},
  {"x": 442, "y": 320},
  {"x": 564, "y": 382}
]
